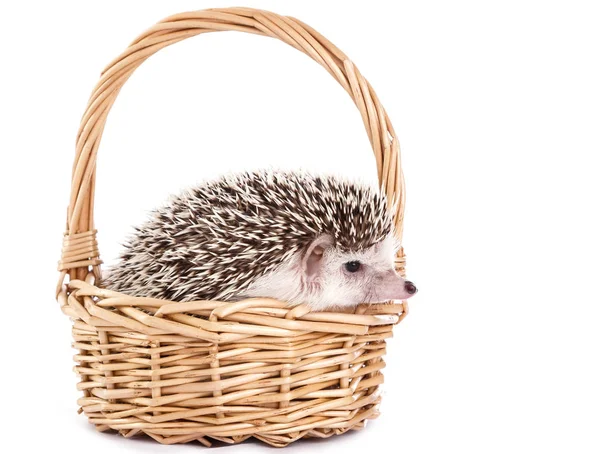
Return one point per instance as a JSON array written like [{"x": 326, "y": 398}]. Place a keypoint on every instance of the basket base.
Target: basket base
[{"x": 275, "y": 438}]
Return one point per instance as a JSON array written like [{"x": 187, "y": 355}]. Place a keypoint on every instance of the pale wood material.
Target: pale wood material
[{"x": 202, "y": 370}]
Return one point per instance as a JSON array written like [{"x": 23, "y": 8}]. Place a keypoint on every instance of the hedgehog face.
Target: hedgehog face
[
  {"x": 327, "y": 277},
  {"x": 338, "y": 278}
]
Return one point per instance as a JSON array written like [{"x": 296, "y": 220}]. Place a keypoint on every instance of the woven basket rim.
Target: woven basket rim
[{"x": 295, "y": 319}]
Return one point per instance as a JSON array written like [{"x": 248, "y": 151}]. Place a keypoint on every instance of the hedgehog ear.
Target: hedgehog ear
[{"x": 311, "y": 262}]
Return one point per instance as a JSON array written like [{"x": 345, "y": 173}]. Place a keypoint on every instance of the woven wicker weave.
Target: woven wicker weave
[{"x": 204, "y": 370}]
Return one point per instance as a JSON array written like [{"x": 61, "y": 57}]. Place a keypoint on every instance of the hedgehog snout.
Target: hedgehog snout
[{"x": 392, "y": 286}]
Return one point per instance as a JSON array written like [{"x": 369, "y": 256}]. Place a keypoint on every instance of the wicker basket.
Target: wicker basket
[{"x": 205, "y": 370}]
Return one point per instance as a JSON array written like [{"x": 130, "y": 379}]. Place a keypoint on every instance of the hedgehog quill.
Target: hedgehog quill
[{"x": 295, "y": 237}]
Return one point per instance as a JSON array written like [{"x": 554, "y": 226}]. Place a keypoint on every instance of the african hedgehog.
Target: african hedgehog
[{"x": 291, "y": 236}]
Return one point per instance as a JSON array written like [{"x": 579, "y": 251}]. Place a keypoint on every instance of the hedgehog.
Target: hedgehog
[{"x": 319, "y": 240}]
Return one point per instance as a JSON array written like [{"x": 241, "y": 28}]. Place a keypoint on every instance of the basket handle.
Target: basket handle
[{"x": 80, "y": 249}]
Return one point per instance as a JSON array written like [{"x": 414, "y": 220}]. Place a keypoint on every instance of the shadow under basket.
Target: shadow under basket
[{"x": 203, "y": 370}]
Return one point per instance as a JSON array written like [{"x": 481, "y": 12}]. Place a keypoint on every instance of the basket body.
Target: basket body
[
  {"x": 208, "y": 370},
  {"x": 180, "y": 372}
]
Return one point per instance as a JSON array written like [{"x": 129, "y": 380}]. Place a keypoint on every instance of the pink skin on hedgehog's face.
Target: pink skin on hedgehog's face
[
  {"x": 345, "y": 279},
  {"x": 326, "y": 278}
]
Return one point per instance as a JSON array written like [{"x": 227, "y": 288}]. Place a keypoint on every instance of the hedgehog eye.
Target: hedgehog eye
[{"x": 353, "y": 266}]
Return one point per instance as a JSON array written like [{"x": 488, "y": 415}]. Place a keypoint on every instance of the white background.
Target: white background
[{"x": 497, "y": 107}]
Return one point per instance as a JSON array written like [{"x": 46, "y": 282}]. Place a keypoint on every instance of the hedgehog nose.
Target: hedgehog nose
[{"x": 410, "y": 288}]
